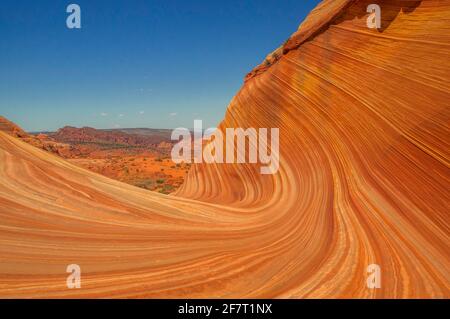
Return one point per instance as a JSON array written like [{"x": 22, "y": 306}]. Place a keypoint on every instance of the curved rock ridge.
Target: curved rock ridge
[
  {"x": 363, "y": 179},
  {"x": 324, "y": 14},
  {"x": 10, "y": 128}
]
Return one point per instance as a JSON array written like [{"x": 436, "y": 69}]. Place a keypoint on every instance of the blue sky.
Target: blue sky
[{"x": 134, "y": 63}]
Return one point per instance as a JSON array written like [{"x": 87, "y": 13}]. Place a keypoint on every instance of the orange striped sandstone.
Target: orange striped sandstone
[{"x": 364, "y": 178}]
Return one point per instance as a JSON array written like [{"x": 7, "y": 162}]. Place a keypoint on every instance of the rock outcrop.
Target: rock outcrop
[
  {"x": 10, "y": 128},
  {"x": 363, "y": 179}
]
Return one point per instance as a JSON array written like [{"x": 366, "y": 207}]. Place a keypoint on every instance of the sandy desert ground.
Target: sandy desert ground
[{"x": 139, "y": 157}]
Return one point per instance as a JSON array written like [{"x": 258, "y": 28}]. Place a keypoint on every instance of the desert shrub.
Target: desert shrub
[{"x": 167, "y": 189}]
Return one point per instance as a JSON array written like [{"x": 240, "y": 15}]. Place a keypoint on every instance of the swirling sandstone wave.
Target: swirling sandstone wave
[{"x": 364, "y": 178}]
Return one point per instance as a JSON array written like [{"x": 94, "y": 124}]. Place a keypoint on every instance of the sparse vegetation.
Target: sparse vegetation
[
  {"x": 129, "y": 157},
  {"x": 167, "y": 189}
]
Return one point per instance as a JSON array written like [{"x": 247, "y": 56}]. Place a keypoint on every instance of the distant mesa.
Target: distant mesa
[
  {"x": 129, "y": 137},
  {"x": 136, "y": 156}
]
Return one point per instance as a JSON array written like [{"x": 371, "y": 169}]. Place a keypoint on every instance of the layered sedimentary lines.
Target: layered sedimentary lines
[{"x": 364, "y": 179}]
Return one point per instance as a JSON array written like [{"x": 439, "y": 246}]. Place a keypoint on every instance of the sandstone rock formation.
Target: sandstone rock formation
[
  {"x": 364, "y": 179},
  {"x": 10, "y": 128},
  {"x": 75, "y": 135}
]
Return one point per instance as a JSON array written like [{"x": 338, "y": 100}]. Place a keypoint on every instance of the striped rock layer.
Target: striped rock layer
[{"x": 364, "y": 179}]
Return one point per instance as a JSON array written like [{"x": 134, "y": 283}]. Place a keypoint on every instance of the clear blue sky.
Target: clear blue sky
[{"x": 134, "y": 63}]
